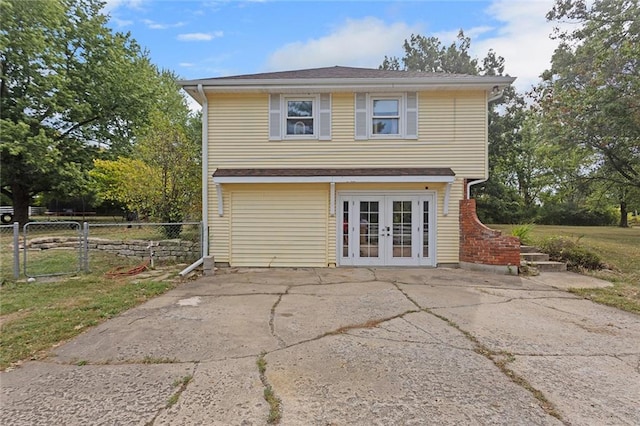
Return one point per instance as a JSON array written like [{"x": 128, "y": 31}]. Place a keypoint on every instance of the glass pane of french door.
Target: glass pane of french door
[
  {"x": 368, "y": 229},
  {"x": 425, "y": 229},
  {"x": 402, "y": 225}
]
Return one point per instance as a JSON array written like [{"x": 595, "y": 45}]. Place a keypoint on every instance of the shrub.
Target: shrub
[
  {"x": 576, "y": 256},
  {"x": 523, "y": 232}
]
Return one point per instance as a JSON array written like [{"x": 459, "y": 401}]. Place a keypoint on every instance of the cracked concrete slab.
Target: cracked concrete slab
[
  {"x": 48, "y": 394},
  {"x": 273, "y": 276},
  {"x": 415, "y": 327},
  {"x": 589, "y": 390},
  {"x": 344, "y": 346},
  {"x": 311, "y": 311},
  {"x": 429, "y": 296},
  {"x": 217, "y": 328},
  {"x": 451, "y": 277},
  {"x": 220, "y": 393},
  {"x": 549, "y": 327},
  {"x": 567, "y": 280},
  {"x": 371, "y": 381}
]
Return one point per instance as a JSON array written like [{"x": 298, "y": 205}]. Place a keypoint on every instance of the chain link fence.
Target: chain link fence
[
  {"x": 9, "y": 252},
  {"x": 68, "y": 247}
]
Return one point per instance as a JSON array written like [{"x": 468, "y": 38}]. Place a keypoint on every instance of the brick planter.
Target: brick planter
[{"x": 482, "y": 248}]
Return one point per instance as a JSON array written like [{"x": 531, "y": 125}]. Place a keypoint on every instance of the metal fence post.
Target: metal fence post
[
  {"x": 202, "y": 240},
  {"x": 85, "y": 245},
  {"x": 16, "y": 250}
]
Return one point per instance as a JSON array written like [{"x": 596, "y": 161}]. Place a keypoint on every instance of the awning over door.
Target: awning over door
[{"x": 333, "y": 176}]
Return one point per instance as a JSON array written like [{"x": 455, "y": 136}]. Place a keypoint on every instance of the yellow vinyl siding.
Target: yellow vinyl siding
[
  {"x": 448, "y": 228},
  {"x": 279, "y": 226},
  {"x": 452, "y": 133},
  {"x": 219, "y": 227}
]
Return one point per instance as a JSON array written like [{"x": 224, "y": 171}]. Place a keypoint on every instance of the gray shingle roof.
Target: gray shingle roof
[
  {"x": 341, "y": 73},
  {"x": 300, "y": 172},
  {"x": 335, "y": 72}
]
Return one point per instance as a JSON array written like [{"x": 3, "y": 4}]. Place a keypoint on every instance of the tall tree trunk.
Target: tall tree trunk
[
  {"x": 623, "y": 215},
  {"x": 21, "y": 200}
]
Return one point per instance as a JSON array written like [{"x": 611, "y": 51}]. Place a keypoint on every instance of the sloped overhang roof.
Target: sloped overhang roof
[
  {"x": 333, "y": 176},
  {"x": 345, "y": 79}
]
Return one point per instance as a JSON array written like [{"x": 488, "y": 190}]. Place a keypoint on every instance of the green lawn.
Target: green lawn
[
  {"x": 36, "y": 316},
  {"x": 618, "y": 247}
]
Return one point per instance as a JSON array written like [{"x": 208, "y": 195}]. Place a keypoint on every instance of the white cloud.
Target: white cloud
[
  {"x": 200, "y": 36},
  {"x": 121, "y": 22},
  {"x": 111, "y": 5},
  {"x": 158, "y": 26},
  {"x": 360, "y": 43},
  {"x": 186, "y": 64},
  {"x": 522, "y": 39}
]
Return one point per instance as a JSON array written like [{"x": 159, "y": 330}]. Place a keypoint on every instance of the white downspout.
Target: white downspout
[
  {"x": 204, "y": 249},
  {"x": 474, "y": 182},
  {"x": 205, "y": 171},
  {"x": 496, "y": 94}
]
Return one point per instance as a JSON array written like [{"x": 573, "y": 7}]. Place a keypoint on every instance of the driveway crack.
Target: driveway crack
[
  {"x": 272, "y": 317},
  {"x": 181, "y": 384},
  {"x": 501, "y": 359},
  {"x": 275, "y": 404}
]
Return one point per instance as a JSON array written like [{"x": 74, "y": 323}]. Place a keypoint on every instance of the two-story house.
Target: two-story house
[{"x": 341, "y": 166}]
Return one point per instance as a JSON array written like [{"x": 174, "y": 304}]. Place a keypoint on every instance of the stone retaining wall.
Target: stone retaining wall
[{"x": 164, "y": 250}]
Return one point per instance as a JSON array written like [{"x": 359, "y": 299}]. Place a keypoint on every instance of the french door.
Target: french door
[{"x": 387, "y": 229}]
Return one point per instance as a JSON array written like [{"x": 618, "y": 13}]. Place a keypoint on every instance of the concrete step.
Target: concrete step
[
  {"x": 547, "y": 266},
  {"x": 529, "y": 249},
  {"x": 534, "y": 257}
]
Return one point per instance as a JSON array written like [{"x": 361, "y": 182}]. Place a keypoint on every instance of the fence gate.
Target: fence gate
[{"x": 53, "y": 248}]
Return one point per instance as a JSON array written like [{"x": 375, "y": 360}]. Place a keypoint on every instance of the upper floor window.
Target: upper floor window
[
  {"x": 381, "y": 116},
  {"x": 385, "y": 116},
  {"x": 300, "y": 114},
  {"x": 299, "y": 117}
]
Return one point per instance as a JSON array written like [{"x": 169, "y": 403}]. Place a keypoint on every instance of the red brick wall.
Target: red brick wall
[{"x": 479, "y": 244}]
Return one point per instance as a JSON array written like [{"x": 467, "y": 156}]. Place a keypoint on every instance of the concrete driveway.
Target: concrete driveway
[{"x": 344, "y": 347}]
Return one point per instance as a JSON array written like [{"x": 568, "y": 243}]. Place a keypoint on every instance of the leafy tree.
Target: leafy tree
[
  {"x": 71, "y": 90},
  {"x": 510, "y": 193},
  {"x": 167, "y": 150},
  {"x": 591, "y": 95},
  {"x": 429, "y": 55}
]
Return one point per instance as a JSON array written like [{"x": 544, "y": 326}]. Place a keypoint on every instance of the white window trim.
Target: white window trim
[
  {"x": 315, "y": 116},
  {"x": 402, "y": 115}
]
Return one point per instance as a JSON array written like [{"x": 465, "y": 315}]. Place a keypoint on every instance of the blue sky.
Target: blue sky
[{"x": 205, "y": 38}]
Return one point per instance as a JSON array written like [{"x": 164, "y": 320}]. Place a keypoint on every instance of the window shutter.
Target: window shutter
[
  {"x": 324, "y": 127},
  {"x": 412, "y": 115},
  {"x": 275, "y": 122},
  {"x": 361, "y": 128}
]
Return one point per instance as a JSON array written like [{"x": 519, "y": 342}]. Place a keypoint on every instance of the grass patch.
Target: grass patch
[
  {"x": 182, "y": 384},
  {"x": 618, "y": 248},
  {"x": 275, "y": 409},
  {"x": 36, "y": 316},
  {"x": 155, "y": 360}
]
